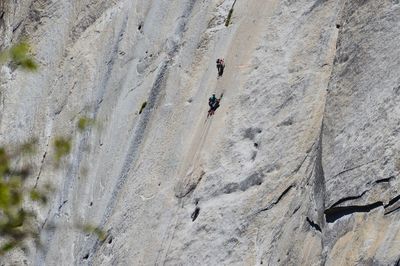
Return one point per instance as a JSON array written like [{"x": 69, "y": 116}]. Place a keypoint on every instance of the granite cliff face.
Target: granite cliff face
[{"x": 299, "y": 166}]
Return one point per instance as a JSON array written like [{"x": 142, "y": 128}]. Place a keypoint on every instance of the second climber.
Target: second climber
[{"x": 220, "y": 66}]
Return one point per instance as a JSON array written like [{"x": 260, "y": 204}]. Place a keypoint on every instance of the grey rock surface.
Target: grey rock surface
[{"x": 299, "y": 165}]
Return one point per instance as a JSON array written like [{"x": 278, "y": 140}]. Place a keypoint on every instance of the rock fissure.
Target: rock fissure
[
  {"x": 141, "y": 128},
  {"x": 320, "y": 72},
  {"x": 319, "y": 189},
  {"x": 393, "y": 210},
  {"x": 352, "y": 168},
  {"x": 62, "y": 205},
  {"x": 191, "y": 188},
  {"x": 41, "y": 167},
  {"x": 313, "y": 224},
  {"x": 336, "y": 213},
  {"x": 349, "y": 199},
  {"x": 301, "y": 163},
  {"x": 195, "y": 214},
  {"x": 16, "y": 27},
  {"x": 392, "y": 201},
  {"x": 135, "y": 144},
  {"x": 275, "y": 202},
  {"x": 385, "y": 180}
]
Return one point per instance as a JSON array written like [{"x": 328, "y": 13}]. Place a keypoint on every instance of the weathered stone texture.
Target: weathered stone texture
[{"x": 299, "y": 165}]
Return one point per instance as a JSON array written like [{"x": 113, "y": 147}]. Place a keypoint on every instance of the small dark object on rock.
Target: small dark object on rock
[
  {"x": 142, "y": 107},
  {"x": 195, "y": 214}
]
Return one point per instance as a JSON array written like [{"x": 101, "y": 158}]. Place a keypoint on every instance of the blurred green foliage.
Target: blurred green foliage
[
  {"x": 20, "y": 56},
  {"x": 62, "y": 147},
  {"x": 17, "y": 222},
  {"x": 84, "y": 123},
  {"x": 29, "y": 148},
  {"x": 90, "y": 229}
]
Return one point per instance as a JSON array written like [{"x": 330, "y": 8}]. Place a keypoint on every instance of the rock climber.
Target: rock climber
[
  {"x": 212, "y": 100},
  {"x": 220, "y": 66},
  {"x": 214, "y": 106}
]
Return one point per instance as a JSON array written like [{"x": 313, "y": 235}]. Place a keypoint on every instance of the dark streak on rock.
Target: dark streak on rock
[
  {"x": 392, "y": 201},
  {"x": 191, "y": 188},
  {"x": 348, "y": 198},
  {"x": 251, "y": 133},
  {"x": 40, "y": 169},
  {"x": 352, "y": 168},
  {"x": 389, "y": 212},
  {"x": 287, "y": 122},
  {"x": 300, "y": 165},
  {"x": 277, "y": 200},
  {"x": 255, "y": 179},
  {"x": 305, "y": 158},
  {"x": 384, "y": 180},
  {"x": 17, "y": 26},
  {"x": 313, "y": 225},
  {"x": 295, "y": 210},
  {"x": 155, "y": 94},
  {"x": 319, "y": 189},
  {"x": 195, "y": 214},
  {"x": 335, "y": 213},
  {"x": 62, "y": 205}
]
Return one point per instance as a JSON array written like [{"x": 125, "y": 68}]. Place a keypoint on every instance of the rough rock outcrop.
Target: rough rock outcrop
[{"x": 299, "y": 165}]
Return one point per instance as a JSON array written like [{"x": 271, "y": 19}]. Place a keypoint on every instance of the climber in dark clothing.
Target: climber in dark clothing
[
  {"x": 220, "y": 66},
  {"x": 212, "y": 100},
  {"x": 213, "y": 107},
  {"x": 216, "y": 105}
]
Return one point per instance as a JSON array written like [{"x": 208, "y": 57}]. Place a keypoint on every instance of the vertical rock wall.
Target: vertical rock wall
[
  {"x": 298, "y": 166},
  {"x": 360, "y": 139}
]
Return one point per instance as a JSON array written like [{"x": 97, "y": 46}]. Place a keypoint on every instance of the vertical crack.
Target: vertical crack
[{"x": 319, "y": 182}]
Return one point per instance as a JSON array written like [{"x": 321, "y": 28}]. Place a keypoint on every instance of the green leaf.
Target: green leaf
[
  {"x": 84, "y": 123},
  {"x": 8, "y": 246},
  {"x": 62, "y": 147},
  {"x": 20, "y": 55},
  {"x": 29, "y": 147},
  {"x": 29, "y": 64},
  {"x": 18, "y": 219},
  {"x": 37, "y": 196},
  {"x": 5, "y": 197}
]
